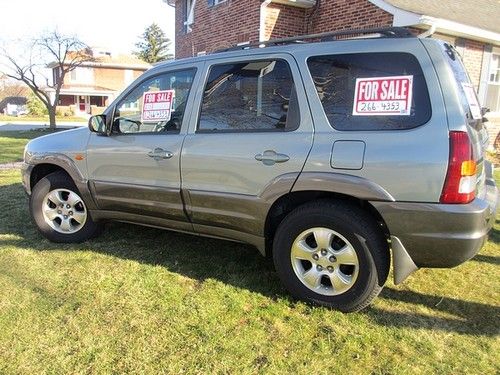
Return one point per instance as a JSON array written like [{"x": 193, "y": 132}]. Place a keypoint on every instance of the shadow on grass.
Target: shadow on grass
[
  {"x": 495, "y": 234},
  {"x": 472, "y": 318},
  {"x": 233, "y": 264},
  {"x": 487, "y": 259}
]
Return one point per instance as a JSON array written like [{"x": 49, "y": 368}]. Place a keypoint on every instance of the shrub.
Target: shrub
[{"x": 35, "y": 106}]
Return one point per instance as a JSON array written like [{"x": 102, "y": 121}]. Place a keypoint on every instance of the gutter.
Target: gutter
[
  {"x": 262, "y": 21},
  {"x": 457, "y": 29},
  {"x": 429, "y": 32}
]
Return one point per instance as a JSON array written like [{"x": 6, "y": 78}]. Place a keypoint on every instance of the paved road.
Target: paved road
[{"x": 28, "y": 125}]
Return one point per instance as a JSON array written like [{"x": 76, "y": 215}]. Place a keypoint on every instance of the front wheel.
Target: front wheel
[
  {"x": 59, "y": 211},
  {"x": 332, "y": 254}
]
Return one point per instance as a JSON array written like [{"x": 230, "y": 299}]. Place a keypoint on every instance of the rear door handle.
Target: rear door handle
[
  {"x": 159, "y": 153},
  {"x": 270, "y": 157}
]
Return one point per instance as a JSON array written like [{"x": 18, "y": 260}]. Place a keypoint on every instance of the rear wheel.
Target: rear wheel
[
  {"x": 333, "y": 254},
  {"x": 59, "y": 211}
]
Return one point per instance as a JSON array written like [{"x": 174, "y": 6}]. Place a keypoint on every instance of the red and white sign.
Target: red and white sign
[
  {"x": 474, "y": 107},
  {"x": 378, "y": 96},
  {"x": 157, "y": 105}
]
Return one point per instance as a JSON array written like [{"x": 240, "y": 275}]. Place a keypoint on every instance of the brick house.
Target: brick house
[
  {"x": 203, "y": 26},
  {"x": 92, "y": 85}
]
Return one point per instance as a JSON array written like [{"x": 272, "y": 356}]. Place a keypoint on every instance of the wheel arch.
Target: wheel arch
[
  {"x": 42, "y": 164},
  {"x": 41, "y": 170},
  {"x": 290, "y": 201}
]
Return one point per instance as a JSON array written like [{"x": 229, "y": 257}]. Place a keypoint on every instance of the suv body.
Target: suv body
[{"x": 260, "y": 138}]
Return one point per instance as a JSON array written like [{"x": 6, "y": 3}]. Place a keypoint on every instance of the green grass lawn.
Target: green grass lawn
[
  {"x": 12, "y": 143},
  {"x": 141, "y": 300}
]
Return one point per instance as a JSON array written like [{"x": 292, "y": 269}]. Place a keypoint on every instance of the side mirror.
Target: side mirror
[{"x": 97, "y": 124}]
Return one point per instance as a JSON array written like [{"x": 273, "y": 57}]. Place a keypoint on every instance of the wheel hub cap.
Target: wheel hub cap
[
  {"x": 324, "y": 261},
  {"x": 64, "y": 211}
]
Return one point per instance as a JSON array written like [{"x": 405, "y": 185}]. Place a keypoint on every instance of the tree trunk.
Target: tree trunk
[{"x": 52, "y": 118}]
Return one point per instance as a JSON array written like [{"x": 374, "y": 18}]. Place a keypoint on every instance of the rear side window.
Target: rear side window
[
  {"x": 371, "y": 91},
  {"x": 251, "y": 96}
]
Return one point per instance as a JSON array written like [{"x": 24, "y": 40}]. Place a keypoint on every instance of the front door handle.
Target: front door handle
[
  {"x": 159, "y": 153},
  {"x": 270, "y": 157}
]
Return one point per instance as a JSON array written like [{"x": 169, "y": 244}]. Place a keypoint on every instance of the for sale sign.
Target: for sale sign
[
  {"x": 157, "y": 105},
  {"x": 378, "y": 96}
]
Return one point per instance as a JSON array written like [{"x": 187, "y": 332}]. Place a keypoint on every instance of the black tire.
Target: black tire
[
  {"x": 53, "y": 181},
  {"x": 355, "y": 225}
]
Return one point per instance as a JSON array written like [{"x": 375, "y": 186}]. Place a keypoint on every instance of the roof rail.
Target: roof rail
[{"x": 383, "y": 32}]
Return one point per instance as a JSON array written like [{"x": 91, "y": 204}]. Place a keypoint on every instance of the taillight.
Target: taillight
[{"x": 461, "y": 180}]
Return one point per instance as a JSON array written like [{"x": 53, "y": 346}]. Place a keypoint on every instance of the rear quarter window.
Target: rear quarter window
[
  {"x": 462, "y": 78},
  {"x": 335, "y": 79}
]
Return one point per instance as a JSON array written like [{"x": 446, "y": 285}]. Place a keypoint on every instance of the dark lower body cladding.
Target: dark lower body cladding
[{"x": 441, "y": 235}]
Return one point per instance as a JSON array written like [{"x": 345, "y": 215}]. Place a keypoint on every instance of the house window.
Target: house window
[
  {"x": 128, "y": 76},
  {"x": 215, "y": 2},
  {"x": 82, "y": 75},
  {"x": 188, "y": 15},
  {"x": 56, "y": 74},
  {"x": 493, "y": 90}
]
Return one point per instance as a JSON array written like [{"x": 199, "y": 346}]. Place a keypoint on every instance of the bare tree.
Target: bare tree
[{"x": 60, "y": 52}]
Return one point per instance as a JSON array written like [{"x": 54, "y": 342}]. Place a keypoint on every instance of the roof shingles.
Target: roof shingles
[{"x": 484, "y": 14}]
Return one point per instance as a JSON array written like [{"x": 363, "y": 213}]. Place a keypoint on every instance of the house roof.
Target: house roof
[
  {"x": 483, "y": 14},
  {"x": 127, "y": 60},
  {"x": 18, "y": 100},
  {"x": 80, "y": 89},
  {"x": 112, "y": 61}
]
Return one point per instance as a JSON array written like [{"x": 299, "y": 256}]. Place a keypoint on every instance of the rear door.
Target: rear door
[{"x": 253, "y": 131}]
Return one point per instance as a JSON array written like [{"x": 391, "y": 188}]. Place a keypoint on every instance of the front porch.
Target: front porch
[
  {"x": 84, "y": 104},
  {"x": 83, "y": 100}
]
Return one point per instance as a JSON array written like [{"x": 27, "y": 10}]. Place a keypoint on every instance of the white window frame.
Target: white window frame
[
  {"x": 495, "y": 52},
  {"x": 189, "y": 15}
]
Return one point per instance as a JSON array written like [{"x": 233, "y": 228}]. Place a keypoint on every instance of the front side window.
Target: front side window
[
  {"x": 156, "y": 105},
  {"x": 371, "y": 91},
  {"x": 249, "y": 96}
]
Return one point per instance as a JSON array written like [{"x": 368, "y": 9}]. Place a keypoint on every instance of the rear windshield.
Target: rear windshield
[{"x": 371, "y": 91}]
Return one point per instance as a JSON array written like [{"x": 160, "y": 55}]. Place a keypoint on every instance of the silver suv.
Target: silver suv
[{"x": 328, "y": 156}]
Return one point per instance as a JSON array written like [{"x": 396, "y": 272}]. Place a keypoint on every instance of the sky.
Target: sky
[{"x": 112, "y": 24}]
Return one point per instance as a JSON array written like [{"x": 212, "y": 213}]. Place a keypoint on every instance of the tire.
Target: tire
[
  {"x": 69, "y": 224},
  {"x": 331, "y": 253}
]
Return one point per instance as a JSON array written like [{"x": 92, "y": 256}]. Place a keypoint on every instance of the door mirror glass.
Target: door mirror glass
[{"x": 97, "y": 124}]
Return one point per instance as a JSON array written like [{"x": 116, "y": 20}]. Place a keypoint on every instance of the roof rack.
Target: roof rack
[{"x": 384, "y": 32}]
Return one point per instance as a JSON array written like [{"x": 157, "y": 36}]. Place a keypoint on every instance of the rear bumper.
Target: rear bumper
[{"x": 441, "y": 235}]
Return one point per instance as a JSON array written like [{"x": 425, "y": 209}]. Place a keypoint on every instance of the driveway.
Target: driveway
[{"x": 29, "y": 125}]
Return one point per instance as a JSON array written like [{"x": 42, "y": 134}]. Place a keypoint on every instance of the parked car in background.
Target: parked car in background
[{"x": 330, "y": 157}]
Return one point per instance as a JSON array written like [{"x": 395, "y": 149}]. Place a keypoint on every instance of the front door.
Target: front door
[
  {"x": 81, "y": 103},
  {"x": 135, "y": 170},
  {"x": 253, "y": 132}
]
